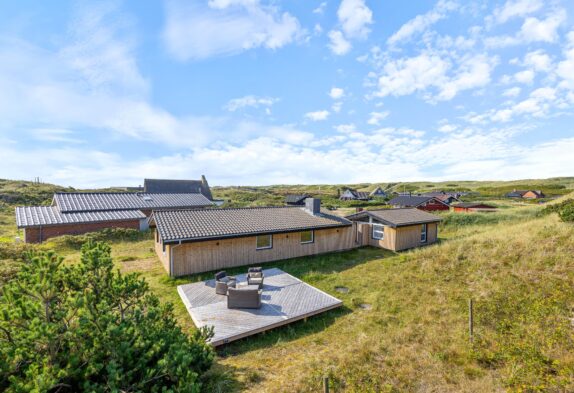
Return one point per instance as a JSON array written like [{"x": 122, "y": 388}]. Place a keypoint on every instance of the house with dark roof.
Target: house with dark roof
[
  {"x": 378, "y": 193},
  {"x": 469, "y": 207},
  {"x": 353, "y": 195},
  {"x": 420, "y": 202},
  {"x": 526, "y": 194},
  {"x": 446, "y": 197},
  {"x": 194, "y": 241},
  {"x": 168, "y": 186},
  {"x": 395, "y": 229},
  {"x": 77, "y": 213},
  {"x": 295, "y": 199}
]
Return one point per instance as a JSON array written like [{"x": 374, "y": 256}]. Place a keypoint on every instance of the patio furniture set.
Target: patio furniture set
[{"x": 245, "y": 294}]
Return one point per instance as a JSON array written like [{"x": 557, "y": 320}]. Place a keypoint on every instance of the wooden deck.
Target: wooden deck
[{"x": 285, "y": 299}]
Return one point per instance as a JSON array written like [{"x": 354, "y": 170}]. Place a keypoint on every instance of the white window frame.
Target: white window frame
[
  {"x": 424, "y": 233},
  {"x": 266, "y": 247},
  {"x": 381, "y": 230},
  {"x": 312, "y": 237}
]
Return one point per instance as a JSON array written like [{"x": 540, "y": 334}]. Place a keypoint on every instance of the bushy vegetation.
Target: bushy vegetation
[
  {"x": 565, "y": 210},
  {"x": 85, "y": 327},
  {"x": 107, "y": 234}
]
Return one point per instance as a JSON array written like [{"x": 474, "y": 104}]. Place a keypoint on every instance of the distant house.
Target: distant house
[
  {"x": 353, "y": 195},
  {"x": 295, "y": 200},
  {"x": 420, "y": 202},
  {"x": 193, "y": 241},
  {"x": 396, "y": 229},
  {"x": 467, "y": 207},
  {"x": 378, "y": 193},
  {"x": 167, "y": 186},
  {"x": 78, "y": 213},
  {"x": 526, "y": 194},
  {"x": 446, "y": 197}
]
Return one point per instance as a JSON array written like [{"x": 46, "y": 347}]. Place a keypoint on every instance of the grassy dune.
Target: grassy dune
[{"x": 403, "y": 326}]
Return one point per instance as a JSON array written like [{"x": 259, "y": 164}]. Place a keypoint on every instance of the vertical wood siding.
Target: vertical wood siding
[{"x": 211, "y": 255}]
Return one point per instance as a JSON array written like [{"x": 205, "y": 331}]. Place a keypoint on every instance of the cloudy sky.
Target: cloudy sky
[{"x": 268, "y": 92}]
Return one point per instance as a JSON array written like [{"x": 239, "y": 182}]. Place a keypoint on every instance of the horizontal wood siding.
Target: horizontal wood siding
[
  {"x": 197, "y": 257},
  {"x": 163, "y": 257}
]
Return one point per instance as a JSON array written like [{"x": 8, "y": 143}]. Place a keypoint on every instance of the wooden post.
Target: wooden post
[
  {"x": 470, "y": 320},
  {"x": 325, "y": 384}
]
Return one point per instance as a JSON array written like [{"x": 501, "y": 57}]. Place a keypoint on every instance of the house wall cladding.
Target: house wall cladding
[
  {"x": 39, "y": 234},
  {"x": 401, "y": 238},
  {"x": 202, "y": 256},
  {"x": 433, "y": 205}
]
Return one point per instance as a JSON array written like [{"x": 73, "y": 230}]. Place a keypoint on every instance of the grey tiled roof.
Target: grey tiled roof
[
  {"x": 174, "y": 225},
  {"x": 101, "y": 201},
  {"x": 397, "y": 217},
  {"x": 291, "y": 198},
  {"x": 168, "y": 186},
  {"x": 32, "y": 216},
  {"x": 409, "y": 201}
]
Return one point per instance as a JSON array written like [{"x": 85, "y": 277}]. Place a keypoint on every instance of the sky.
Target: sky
[{"x": 254, "y": 92}]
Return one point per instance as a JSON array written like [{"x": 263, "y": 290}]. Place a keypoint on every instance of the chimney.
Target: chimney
[{"x": 313, "y": 205}]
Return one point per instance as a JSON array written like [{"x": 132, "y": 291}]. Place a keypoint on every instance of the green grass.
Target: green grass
[{"x": 517, "y": 264}]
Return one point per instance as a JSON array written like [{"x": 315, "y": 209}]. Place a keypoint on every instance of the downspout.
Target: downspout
[{"x": 171, "y": 258}]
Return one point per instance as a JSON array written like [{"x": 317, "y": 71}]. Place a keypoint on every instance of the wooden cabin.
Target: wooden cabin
[
  {"x": 396, "y": 229},
  {"x": 469, "y": 207}
]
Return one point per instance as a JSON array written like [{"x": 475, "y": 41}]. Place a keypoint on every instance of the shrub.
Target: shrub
[
  {"x": 87, "y": 328},
  {"x": 566, "y": 213},
  {"x": 107, "y": 234}
]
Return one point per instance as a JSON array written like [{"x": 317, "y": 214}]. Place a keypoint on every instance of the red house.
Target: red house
[{"x": 420, "y": 202}]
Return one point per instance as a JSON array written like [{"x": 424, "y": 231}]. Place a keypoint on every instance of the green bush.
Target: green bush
[
  {"x": 87, "y": 327},
  {"x": 566, "y": 213},
  {"x": 107, "y": 234}
]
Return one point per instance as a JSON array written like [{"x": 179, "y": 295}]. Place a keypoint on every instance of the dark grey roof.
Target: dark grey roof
[
  {"x": 105, "y": 201},
  {"x": 409, "y": 201},
  {"x": 397, "y": 217},
  {"x": 200, "y": 224},
  {"x": 474, "y": 204},
  {"x": 169, "y": 186},
  {"x": 291, "y": 198},
  {"x": 33, "y": 216}
]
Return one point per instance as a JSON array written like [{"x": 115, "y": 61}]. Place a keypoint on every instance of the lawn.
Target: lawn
[{"x": 403, "y": 326}]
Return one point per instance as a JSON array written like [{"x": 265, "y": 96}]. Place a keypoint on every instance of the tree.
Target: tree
[{"x": 88, "y": 328}]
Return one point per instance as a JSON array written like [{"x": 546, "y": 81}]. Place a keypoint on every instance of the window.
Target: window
[
  {"x": 307, "y": 237},
  {"x": 263, "y": 242},
  {"x": 378, "y": 231},
  {"x": 423, "y": 233}
]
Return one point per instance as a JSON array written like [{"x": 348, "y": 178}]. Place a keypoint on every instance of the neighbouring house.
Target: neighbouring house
[
  {"x": 446, "y": 197},
  {"x": 353, "y": 195},
  {"x": 420, "y": 202},
  {"x": 167, "y": 186},
  {"x": 295, "y": 200},
  {"x": 526, "y": 194},
  {"x": 467, "y": 207},
  {"x": 78, "y": 213},
  {"x": 194, "y": 241},
  {"x": 378, "y": 193},
  {"x": 395, "y": 229}
]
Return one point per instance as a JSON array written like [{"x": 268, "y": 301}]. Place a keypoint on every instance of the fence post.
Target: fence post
[
  {"x": 325, "y": 384},
  {"x": 470, "y": 320}
]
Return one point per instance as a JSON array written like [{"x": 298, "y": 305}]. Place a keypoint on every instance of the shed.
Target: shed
[{"x": 468, "y": 207}]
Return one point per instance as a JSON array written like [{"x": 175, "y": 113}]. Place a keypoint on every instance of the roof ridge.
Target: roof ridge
[{"x": 228, "y": 208}]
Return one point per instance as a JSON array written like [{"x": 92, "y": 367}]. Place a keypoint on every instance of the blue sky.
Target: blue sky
[{"x": 268, "y": 92}]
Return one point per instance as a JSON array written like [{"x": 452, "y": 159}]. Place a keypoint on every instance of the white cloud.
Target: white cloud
[
  {"x": 538, "y": 60},
  {"x": 512, "y": 92},
  {"x": 526, "y": 76},
  {"x": 422, "y": 22},
  {"x": 317, "y": 115},
  {"x": 338, "y": 45},
  {"x": 473, "y": 72},
  {"x": 355, "y": 17},
  {"x": 346, "y": 128},
  {"x": 250, "y": 101},
  {"x": 375, "y": 118},
  {"x": 515, "y": 8},
  {"x": 336, "y": 93},
  {"x": 321, "y": 8},
  {"x": 565, "y": 68},
  {"x": 336, "y": 107},
  {"x": 226, "y": 27}
]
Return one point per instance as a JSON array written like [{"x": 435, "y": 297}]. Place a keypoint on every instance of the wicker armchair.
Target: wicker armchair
[
  {"x": 255, "y": 276},
  {"x": 244, "y": 298},
  {"x": 223, "y": 282}
]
